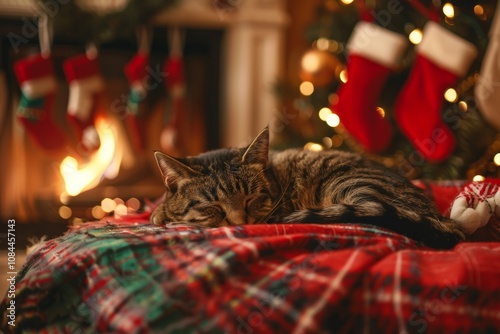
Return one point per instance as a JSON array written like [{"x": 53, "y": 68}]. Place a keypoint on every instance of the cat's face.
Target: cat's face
[{"x": 220, "y": 188}]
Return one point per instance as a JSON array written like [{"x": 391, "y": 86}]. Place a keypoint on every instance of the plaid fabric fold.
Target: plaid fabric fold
[{"x": 123, "y": 277}]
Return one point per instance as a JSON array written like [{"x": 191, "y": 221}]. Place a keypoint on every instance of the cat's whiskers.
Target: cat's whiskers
[
  {"x": 270, "y": 213},
  {"x": 278, "y": 203}
]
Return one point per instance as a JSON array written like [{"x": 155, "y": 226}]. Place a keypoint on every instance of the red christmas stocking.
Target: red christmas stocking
[
  {"x": 136, "y": 74},
  {"x": 373, "y": 53},
  {"x": 85, "y": 87},
  {"x": 175, "y": 83},
  {"x": 442, "y": 57},
  {"x": 38, "y": 84}
]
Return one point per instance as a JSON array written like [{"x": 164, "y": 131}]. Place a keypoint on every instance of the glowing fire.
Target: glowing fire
[{"x": 104, "y": 163}]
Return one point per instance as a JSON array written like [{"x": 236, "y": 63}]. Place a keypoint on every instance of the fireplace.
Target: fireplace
[{"x": 232, "y": 57}]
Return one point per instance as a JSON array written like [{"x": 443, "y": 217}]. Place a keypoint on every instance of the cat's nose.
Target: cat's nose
[{"x": 239, "y": 218}]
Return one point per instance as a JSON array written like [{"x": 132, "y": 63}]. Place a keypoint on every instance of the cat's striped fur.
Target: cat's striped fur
[{"x": 253, "y": 185}]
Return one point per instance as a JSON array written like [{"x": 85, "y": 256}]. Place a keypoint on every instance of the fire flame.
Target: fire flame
[{"x": 79, "y": 178}]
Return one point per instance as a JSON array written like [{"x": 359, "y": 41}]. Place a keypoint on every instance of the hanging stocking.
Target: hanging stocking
[
  {"x": 175, "y": 84},
  {"x": 136, "y": 73},
  {"x": 442, "y": 57},
  {"x": 373, "y": 53},
  {"x": 85, "y": 87},
  {"x": 35, "y": 75},
  {"x": 487, "y": 89}
]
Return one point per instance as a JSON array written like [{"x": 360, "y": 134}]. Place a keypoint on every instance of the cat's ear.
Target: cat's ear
[
  {"x": 173, "y": 171},
  {"x": 258, "y": 150}
]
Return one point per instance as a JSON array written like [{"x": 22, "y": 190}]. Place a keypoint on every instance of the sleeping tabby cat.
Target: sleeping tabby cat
[{"x": 253, "y": 185}]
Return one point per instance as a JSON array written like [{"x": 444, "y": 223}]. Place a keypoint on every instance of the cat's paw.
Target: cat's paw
[
  {"x": 158, "y": 216},
  {"x": 477, "y": 205}
]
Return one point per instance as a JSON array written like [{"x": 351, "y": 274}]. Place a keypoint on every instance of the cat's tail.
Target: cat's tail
[{"x": 433, "y": 230}]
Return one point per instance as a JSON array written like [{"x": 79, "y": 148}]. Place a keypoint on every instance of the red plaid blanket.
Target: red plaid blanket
[{"x": 131, "y": 277}]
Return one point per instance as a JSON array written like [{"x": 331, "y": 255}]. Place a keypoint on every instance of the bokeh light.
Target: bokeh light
[
  {"x": 478, "y": 178},
  {"x": 306, "y": 88},
  {"x": 313, "y": 147},
  {"x": 121, "y": 210},
  {"x": 381, "y": 112},
  {"x": 65, "y": 212},
  {"x": 337, "y": 141},
  {"x": 98, "y": 212},
  {"x": 108, "y": 205},
  {"x": 463, "y": 106},
  {"x": 496, "y": 159},
  {"x": 333, "y": 120},
  {"x": 343, "y": 76},
  {"x": 324, "y": 113},
  {"x": 415, "y": 36},
  {"x": 451, "y": 95},
  {"x": 449, "y": 10},
  {"x": 323, "y": 44},
  {"x": 133, "y": 204}
]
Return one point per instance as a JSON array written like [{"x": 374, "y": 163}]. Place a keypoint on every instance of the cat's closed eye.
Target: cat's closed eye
[
  {"x": 211, "y": 211},
  {"x": 205, "y": 214}
]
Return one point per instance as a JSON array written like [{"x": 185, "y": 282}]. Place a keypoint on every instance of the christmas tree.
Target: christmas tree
[{"x": 399, "y": 81}]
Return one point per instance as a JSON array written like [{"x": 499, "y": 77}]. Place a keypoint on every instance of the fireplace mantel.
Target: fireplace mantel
[
  {"x": 253, "y": 54},
  {"x": 206, "y": 13}
]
